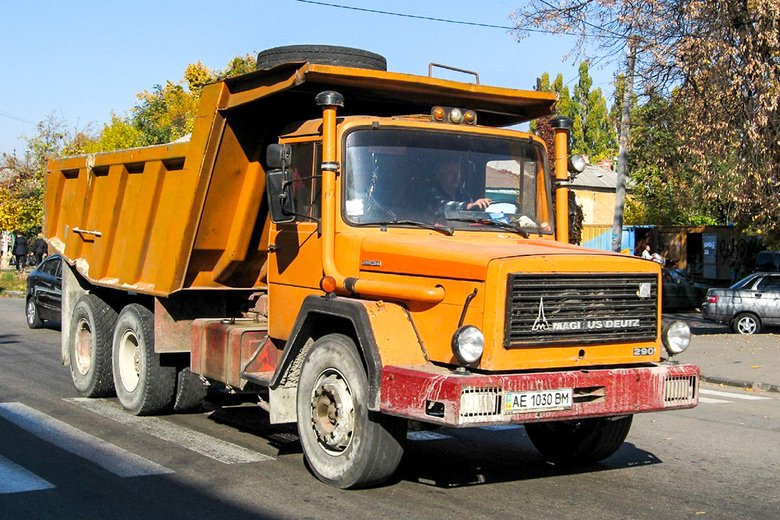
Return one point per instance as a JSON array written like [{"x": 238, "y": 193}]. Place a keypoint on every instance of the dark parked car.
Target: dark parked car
[
  {"x": 44, "y": 292},
  {"x": 768, "y": 261},
  {"x": 748, "y": 305},
  {"x": 680, "y": 292}
]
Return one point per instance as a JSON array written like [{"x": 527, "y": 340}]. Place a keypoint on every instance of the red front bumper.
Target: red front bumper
[{"x": 437, "y": 395}]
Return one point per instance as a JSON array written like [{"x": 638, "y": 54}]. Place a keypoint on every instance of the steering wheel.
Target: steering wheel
[{"x": 507, "y": 208}]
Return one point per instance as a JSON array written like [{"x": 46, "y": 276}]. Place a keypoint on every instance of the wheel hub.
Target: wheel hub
[
  {"x": 84, "y": 348},
  {"x": 333, "y": 414},
  {"x": 129, "y": 360}
]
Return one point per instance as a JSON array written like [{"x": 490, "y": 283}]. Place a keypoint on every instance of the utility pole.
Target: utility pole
[{"x": 622, "y": 166}]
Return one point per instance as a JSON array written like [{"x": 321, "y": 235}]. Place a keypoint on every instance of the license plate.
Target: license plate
[{"x": 518, "y": 402}]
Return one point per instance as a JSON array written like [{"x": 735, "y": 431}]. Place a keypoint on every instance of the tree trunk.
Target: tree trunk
[{"x": 622, "y": 166}]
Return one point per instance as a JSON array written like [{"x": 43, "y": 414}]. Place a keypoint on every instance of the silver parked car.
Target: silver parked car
[{"x": 748, "y": 305}]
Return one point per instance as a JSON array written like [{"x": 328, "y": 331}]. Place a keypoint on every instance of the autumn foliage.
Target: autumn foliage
[
  {"x": 162, "y": 115},
  {"x": 711, "y": 69}
]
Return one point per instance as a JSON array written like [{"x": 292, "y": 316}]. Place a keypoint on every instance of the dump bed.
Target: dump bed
[{"x": 192, "y": 215}]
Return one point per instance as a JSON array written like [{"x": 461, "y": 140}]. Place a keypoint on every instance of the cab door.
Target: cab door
[{"x": 295, "y": 266}]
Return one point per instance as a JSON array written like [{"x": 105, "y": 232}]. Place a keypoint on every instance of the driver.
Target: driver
[{"x": 447, "y": 191}]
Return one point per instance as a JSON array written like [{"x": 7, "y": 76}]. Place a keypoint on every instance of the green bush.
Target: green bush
[{"x": 12, "y": 281}]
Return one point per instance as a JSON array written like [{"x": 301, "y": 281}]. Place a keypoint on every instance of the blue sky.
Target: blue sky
[{"x": 80, "y": 60}]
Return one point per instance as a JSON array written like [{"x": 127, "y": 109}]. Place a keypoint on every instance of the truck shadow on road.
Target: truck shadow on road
[
  {"x": 447, "y": 458},
  {"x": 476, "y": 456}
]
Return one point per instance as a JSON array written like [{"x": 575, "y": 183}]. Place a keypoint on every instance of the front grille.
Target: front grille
[{"x": 566, "y": 309}]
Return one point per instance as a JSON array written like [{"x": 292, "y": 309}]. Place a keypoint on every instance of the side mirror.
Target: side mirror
[
  {"x": 278, "y": 156},
  {"x": 279, "y": 196}
]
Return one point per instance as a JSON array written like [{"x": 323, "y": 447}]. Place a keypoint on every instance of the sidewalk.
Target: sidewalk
[{"x": 726, "y": 358}]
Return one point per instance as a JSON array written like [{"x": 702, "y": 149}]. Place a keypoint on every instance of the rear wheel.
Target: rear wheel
[
  {"x": 34, "y": 320},
  {"x": 344, "y": 444},
  {"x": 89, "y": 346},
  {"x": 143, "y": 385},
  {"x": 746, "y": 323},
  {"x": 190, "y": 391},
  {"x": 579, "y": 442}
]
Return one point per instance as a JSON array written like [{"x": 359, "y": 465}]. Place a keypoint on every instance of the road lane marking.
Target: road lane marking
[
  {"x": 16, "y": 479},
  {"x": 710, "y": 400},
  {"x": 206, "y": 445},
  {"x": 718, "y": 393},
  {"x": 109, "y": 457}
]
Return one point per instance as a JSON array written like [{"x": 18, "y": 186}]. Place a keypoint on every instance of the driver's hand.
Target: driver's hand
[{"x": 479, "y": 203}]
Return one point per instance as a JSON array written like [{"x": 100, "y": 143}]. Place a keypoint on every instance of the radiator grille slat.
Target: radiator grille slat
[{"x": 565, "y": 309}]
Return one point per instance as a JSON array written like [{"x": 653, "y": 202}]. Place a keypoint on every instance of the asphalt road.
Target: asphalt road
[{"x": 62, "y": 457}]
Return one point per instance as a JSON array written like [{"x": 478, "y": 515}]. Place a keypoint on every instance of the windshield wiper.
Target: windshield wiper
[
  {"x": 509, "y": 226},
  {"x": 447, "y": 230}
]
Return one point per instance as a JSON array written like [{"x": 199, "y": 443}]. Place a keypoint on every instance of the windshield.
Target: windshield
[{"x": 454, "y": 181}]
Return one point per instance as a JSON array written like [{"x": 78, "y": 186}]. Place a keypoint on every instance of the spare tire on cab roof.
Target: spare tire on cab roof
[{"x": 321, "y": 55}]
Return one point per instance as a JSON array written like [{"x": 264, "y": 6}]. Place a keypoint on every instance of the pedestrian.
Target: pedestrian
[
  {"x": 646, "y": 253},
  {"x": 40, "y": 249},
  {"x": 20, "y": 251}
]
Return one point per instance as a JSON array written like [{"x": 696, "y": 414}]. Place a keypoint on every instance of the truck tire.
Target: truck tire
[
  {"x": 344, "y": 444},
  {"x": 746, "y": 323},
  {"x": 190, "y": 392},
  {"x": 143, "y": 385},
  {"x": 579, "y": 442},
  {"x": 89, "y": 346},
  {"x": 320, "y": 54}
]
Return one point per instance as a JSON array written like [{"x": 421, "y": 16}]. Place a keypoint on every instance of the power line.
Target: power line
[
  {"x": 462, "y": 22},
  {"x": 11, "y": 116},
  {"x": 418, "y": 17}
]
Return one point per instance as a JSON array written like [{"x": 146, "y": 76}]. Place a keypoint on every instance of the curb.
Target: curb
[
  {"x": 12, "y": 294},
  {"x": 755, "y": 385}
]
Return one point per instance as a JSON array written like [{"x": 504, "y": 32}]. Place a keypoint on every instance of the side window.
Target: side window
[
  {"x": 50, "y": 267},
  {"x": 769, "y": 283},
  {"x": 305, "y": 177}
]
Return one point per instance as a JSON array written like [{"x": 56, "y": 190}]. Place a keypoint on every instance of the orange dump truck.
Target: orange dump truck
[{"x": 359, "y": 249}]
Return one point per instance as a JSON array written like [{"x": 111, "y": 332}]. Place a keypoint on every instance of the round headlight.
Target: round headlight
[
  {"x": 676, "y": 337},
  {"x": 456, "y": 116},
  {"x": 468, "y": 342},
  {"x": 577, "y": 163}
]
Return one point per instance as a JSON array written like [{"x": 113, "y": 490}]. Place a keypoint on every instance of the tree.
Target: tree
[
  {"x": 160, "y": 116},
  {"x": 591, "y": 134},
  {"x": 721, "y": 58},
  {"x": 21, "y": 186},
  {"x": 165, "y": 114},
  {"x": 656, "y": 154},
  {"x": 119, "y": 134}
]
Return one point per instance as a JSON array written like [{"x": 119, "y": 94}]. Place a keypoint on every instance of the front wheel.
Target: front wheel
[
  {"x": 746, "y": 323},
  {"x": 579, "y": 442},
  {"x": 344, "y": 443}
]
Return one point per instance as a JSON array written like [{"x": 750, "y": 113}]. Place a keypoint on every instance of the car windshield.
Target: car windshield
[{"x": 403, "y": 177}]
